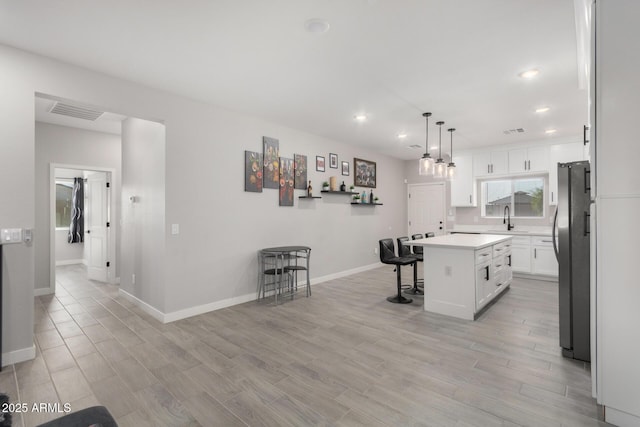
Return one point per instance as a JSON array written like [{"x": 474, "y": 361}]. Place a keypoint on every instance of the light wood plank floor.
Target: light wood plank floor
[{"x": 344, "y": 357}]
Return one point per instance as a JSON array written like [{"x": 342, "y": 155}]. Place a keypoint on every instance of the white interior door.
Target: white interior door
[
  {"x": 426, "y": 208},
  {"x": 96, "y": 229}
]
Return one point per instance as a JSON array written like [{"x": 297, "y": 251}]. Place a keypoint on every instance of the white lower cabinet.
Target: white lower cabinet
[
  {"x": 544, "y": 258},
  {"x": 521, "y": 254},
  {"x": 484, "y": 284},
  {"x": 534, "y": 255},
  {"x": 493, "y": 272}
]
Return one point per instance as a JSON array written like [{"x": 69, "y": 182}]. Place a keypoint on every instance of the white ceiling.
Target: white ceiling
[{"x": 392, "y": 60}]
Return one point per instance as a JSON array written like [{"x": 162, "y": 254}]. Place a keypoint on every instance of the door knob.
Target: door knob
[{"x": 88, "y": 231}]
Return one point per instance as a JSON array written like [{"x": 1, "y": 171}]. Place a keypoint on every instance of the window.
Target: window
[
  {"x": 523, "y": 196},
  {"x": 64, "y": 194}
]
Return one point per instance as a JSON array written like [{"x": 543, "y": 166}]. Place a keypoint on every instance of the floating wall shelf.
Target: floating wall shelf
[
  {"x": 346, "y": 193},
  {"x": 307, "y": 197},
  {"x": 366, "y": 204}
]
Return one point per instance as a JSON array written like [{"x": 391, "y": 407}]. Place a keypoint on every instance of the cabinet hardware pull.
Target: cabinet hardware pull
[
  {"x": 535, "y": 253},
  {"x": 470, "y": 199},
  {"x": 552, "y": 196},
  {"x": 546, "y": 241},
  {"x": 488, "y": 168},
  {"x": 509, "y": 261},
  {"x": 585, "y": 128},
  {"x": 486, "y": 276}
]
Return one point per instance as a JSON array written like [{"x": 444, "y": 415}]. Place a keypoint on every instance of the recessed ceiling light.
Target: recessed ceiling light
[
  {"x": 316, "y": 26},
  {"x": 550, "y": 131},
  {"x": 360, "y": 117},
  {"x": 402, "y": 135},
  {"x": 529, "y": 74},
  {"x": 542, "y": 109}
]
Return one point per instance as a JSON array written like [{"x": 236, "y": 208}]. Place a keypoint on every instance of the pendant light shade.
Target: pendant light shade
[
  {"x": 425, "y": 164},
  {"x": 451, "y": 168},
  {"x": 440, "y": 165}
]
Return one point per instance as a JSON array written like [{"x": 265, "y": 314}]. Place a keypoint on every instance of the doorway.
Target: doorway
[
  {"x": 96, "y": 251},
  {"x": 426, "y": 208}
]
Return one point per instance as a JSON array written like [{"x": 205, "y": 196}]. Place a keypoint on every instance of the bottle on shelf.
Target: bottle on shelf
[
  {"x": 309, "y": 190},
  {"x": 343, "y": 187},
  {"x": 371, "y": 196},
  {"x": 363, "y": 198}
]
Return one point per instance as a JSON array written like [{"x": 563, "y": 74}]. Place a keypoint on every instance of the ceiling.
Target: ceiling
[{"x": 391, "y": 60}]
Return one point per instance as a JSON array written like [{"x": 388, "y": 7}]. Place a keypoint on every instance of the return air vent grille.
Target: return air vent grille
[
  {"x": 415, "y": 146},
  {"x": 74, "y": 111},
  {"x": 513, "y": 131}
]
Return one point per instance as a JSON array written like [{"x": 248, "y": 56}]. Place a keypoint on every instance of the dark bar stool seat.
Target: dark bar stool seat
[
  {"x": 404, "y": 251},
  {"x": 388, "y": 256}
]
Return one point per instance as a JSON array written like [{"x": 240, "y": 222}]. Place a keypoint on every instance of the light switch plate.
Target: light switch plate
[
  {"x": 175, "y": 229},
  {"x": 11, "y": 235}
]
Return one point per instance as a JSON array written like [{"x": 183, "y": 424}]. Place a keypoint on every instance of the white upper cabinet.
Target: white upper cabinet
[
  {"x": 562, "y": 153},
  {"x": 463, "y": 187},
  {"x": 490, "y": 163},
  {"x": 533, "y": 159}
]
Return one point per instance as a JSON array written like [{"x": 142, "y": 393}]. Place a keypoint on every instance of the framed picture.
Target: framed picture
[
  {"x": 364, "y": 173},
  {"x": 253, "y": 171},
  {"x": 270, "y": 156},
  {"x": 320, "y": 163},
  {"x": 285, "y": 196},
  {"x": 345, "y": 168},
  {"x": 300, "y": 169},
  {"x": 333, "y": 161}
]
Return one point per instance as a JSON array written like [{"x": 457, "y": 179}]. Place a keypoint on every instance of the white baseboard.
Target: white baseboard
[
  {"x": 217, "y": 305},
  {"x": 69, "y": 262},
  {"x": 620, "y": 418},
  {"x": 37, "y": 292},
  {"x": 205, "y": 308},
  {"x": 17, "y": 356},
  {"x": 157, "y": 314},
  {"x": 340, "y": 274}
]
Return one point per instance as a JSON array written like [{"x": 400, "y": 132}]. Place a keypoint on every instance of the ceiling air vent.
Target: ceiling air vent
[
  {"x": 74, "y": 111},
  {"x": 415, "y": 146},
  {"x": 513, "y": 131}
]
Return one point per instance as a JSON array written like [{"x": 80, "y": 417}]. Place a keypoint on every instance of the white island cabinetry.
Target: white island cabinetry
[{"x": 464, "y": 272}]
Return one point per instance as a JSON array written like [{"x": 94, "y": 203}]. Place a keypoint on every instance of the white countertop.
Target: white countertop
[
  {"x": 502, "y": 229},
  {"x": 462, "y": 241}
]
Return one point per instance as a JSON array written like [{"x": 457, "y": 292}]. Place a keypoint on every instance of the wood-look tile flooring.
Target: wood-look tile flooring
[{"x": 344, "y": 357}]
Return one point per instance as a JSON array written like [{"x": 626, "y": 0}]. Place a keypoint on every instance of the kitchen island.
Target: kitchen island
[{"x": 464, "y": 272}]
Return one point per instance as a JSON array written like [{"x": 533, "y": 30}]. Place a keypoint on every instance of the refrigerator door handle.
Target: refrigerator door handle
[
  {"x": 587, "y": 180},
  {"x": 587, "y": 216},
  {"x": 554, "y": 237}
]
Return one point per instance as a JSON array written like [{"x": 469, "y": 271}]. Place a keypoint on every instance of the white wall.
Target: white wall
[
  {"x": 65, "y": 252},
  {"x": 215, "y": 256},
  {"x": 143, "y": 222},
  {"x": 66, "y": 145}
]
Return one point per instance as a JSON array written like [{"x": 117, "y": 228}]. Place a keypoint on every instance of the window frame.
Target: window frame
[
  {"x": 512, "y": 180},
  {"x": 62, "y": 181}
]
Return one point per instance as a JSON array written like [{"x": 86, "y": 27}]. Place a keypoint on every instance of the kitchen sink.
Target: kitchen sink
[{"x": 508, "y": 232}]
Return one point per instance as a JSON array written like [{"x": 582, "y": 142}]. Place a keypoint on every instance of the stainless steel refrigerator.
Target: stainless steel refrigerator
[{"x": 571, "y": 244}]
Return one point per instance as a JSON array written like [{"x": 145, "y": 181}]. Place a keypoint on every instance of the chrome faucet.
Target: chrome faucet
[{"x": 506, "y": 218}]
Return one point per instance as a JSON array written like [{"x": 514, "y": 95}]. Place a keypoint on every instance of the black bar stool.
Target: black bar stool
[
  {"x": 388, "y": 256},
  {"x": 404, "y": 251}
]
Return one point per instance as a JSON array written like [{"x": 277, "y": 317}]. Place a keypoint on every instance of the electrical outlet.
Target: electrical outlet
[
  {"x": 133, "y": 279},
  {"x": 475, "y": 219},
  {"x": 375, "y": 251}
]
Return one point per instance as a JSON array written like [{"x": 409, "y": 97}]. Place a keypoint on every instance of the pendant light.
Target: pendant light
[
  {"x": 425, "y": 164},
  {"x": 451, "y": 168},
  {"x": 440, "y": 166}
]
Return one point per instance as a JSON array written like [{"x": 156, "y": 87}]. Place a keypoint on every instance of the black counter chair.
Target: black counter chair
[
  {"x": 388, "y": 256},
  {"x": 404, "y": 251},
  {"x": 418, "y": 252}
]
